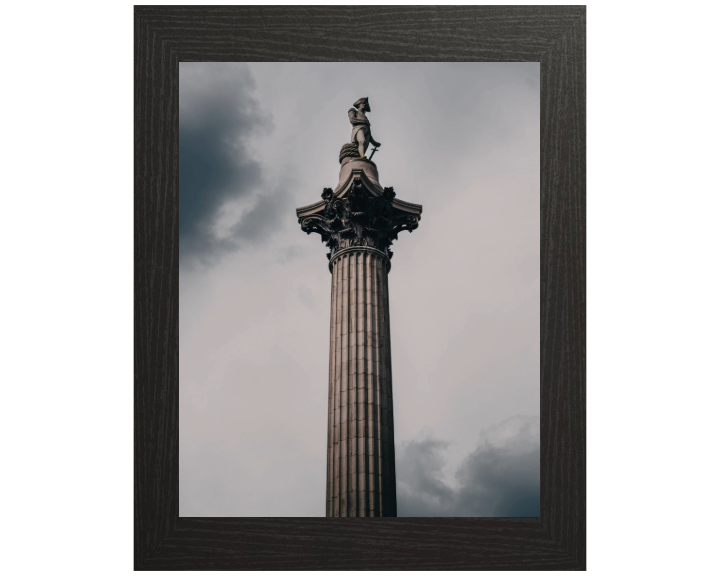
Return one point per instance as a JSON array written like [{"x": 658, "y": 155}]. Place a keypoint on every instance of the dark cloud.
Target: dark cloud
[
  {"x": 500, "y": 478},
  {"x": 421, "y": 490},
  {"x": 219, "y": 178},
  {"x": 460, "y": 139}
]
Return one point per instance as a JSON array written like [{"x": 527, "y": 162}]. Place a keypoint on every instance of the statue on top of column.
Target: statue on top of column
[{"x": 361, "y": 136}]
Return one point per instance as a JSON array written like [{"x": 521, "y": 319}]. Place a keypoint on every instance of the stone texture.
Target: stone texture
[
  {"x": 361, "y": 446},
  {"x": 358, "y": 221}
]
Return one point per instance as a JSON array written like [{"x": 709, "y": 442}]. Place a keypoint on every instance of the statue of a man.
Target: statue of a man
[{"x": 361, "y": 134}]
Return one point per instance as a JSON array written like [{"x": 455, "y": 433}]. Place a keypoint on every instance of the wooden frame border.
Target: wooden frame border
[{"x": 551, "y": 35}]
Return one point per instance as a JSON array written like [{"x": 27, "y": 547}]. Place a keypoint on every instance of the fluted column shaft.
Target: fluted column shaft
[{"x": 361, "y": 446}]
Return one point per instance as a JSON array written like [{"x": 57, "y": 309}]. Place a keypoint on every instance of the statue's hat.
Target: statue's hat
[{"x": 360, "y": 101}]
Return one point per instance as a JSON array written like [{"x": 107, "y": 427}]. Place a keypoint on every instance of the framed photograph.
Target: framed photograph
[{"x": 470, "y": 444}]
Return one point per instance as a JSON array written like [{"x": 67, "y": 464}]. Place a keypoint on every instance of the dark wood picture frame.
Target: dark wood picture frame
[{"x": 551, "y": 35}]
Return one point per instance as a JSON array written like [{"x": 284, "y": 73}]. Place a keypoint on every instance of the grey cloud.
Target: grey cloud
[
  {"x": 460, "y": 139},
  {"x": 500, "y": 478},
  {"x": 219, "y": 117},
  {"x": 421, "y": 490}
]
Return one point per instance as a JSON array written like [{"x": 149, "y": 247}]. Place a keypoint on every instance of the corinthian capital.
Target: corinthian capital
[{"x": 359, "y": 213}]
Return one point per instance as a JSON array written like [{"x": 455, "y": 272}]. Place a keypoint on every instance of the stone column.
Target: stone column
[
  {"x": 361, "y": 447},
  {"x": 358, "y": 221}
]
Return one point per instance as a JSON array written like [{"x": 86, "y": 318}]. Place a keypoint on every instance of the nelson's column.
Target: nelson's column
[{"x": 358, "y": 221}]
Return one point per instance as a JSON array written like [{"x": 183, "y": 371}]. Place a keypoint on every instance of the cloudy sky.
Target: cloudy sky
[{"x": 258, "y": 141}]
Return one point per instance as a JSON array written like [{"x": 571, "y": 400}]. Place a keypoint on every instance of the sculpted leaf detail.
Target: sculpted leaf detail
[{"x": 359, "y": 218}]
